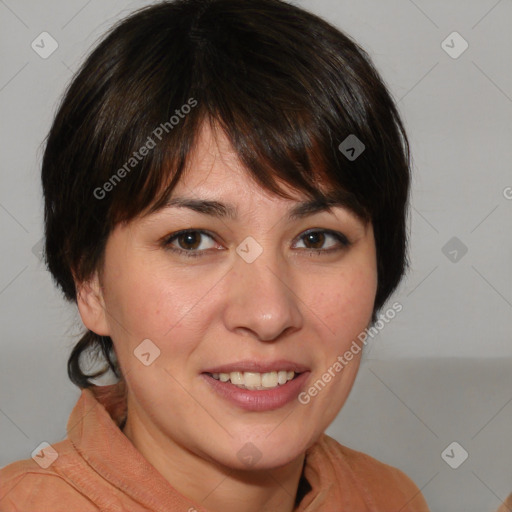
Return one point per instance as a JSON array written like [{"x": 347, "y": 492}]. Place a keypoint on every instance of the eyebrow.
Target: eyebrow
[{"x": 299, "y": 211}]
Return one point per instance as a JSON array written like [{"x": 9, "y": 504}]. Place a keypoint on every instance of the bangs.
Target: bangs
[
  {"x": 271, "y": 158},
  {"x": 283, "y": 113}
]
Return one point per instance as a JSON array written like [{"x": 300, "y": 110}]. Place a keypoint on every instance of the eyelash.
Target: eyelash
[{"x": 340, "y": 237}]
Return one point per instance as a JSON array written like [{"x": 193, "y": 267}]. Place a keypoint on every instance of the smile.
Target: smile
[
  {"x": 254, "y": 380},
  {"x": 257, "y": 391}
]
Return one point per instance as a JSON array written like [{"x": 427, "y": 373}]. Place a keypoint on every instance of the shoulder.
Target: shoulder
[
  {"x": 506, "y": 506},
  {"x": 26, "y": 486},
  {"x": 379, "y": 483}
]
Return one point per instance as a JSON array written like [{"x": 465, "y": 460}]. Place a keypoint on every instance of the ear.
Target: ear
[{"x": 91, "y": 306}]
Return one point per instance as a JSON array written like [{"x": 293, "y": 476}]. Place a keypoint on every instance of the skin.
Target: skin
[{"x": 293, "y": 302}]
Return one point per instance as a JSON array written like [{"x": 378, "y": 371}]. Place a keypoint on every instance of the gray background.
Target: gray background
[{"x": 441, "y": 370}]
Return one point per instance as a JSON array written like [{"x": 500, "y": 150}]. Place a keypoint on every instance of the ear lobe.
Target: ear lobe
[{"x": 91, "y": 306}]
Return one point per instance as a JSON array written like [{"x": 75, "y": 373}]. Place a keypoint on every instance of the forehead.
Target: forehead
[
  {"x": 214, "y": 169},
  {"x": 215, "y": 180}
]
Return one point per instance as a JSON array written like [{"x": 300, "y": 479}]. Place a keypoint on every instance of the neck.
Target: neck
[{"x": 214, "y": 486}]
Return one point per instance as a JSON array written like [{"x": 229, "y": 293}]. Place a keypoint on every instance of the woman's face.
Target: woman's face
[{"x": 250, "y": 294}]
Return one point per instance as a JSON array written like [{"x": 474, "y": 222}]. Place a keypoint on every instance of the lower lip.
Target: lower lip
[{"x": 259, "y": 400}]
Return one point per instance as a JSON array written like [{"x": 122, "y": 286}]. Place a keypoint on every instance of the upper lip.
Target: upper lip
[{"x": 258, "y": 367}]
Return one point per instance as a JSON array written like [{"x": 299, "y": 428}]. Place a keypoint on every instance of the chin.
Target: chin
[{"x": 265, "y": 453}]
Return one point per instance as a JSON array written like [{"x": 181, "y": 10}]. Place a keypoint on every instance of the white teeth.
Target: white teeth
[
  {"x": 252, "y": 380},
  {"x": 282, "y": 377},
  {"x": 269, "y": 380},
  {"x": 255, "y": 380},
  {"x": 236, "y": 378}
]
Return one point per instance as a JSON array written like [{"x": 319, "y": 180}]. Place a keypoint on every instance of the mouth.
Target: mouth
[
  {"x": 255, "y": 386},
  {"x": 256, "y": 381}
]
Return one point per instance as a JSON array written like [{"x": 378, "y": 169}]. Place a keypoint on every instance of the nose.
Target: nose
[{"x": 261, "y": 300}]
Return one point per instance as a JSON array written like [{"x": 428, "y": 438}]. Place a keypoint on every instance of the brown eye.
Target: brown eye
[
  {"x": 189, "y": 241},
  {"x": 323, "y": 240},
  {"x": 314, "y": 240}
]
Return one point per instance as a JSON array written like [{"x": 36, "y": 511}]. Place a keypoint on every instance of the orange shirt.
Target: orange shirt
[
  {"x": 98, "y": 469},
  {"x": 506, "y": 506}
]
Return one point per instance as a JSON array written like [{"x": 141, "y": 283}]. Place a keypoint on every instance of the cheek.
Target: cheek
[
  {"x": 147, "y": 301},
  {"x": 347, "y": 302},
  {"x": 140, "y": 300}
]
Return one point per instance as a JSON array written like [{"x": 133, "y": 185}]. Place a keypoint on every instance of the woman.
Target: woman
[{"x": 225, "y": 189}]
